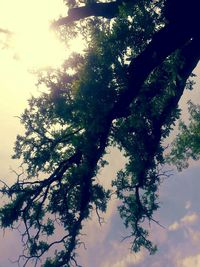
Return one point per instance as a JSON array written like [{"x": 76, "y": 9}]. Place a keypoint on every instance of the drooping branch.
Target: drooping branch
[{"x": 136, "y": 206}]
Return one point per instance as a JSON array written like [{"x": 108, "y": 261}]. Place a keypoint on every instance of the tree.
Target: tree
[{"x": 122, "y": 91}]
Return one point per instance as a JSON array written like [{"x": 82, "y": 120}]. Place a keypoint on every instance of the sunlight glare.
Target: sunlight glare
[{"x": 34, "y": 44}]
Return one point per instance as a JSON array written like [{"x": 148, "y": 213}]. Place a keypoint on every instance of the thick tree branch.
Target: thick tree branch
[
  {"x": 175, "y": 37},
  {"x": 107, "y": 10},
  {"x": 191, "y": 56}
]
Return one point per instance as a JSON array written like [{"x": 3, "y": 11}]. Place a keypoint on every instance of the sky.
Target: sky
[{"x": 32, "y": 45}]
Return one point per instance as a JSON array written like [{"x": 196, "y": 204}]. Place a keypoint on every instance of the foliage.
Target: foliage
[
  {"x": 186, "y": 146},
  {"x": 122, "y": 91}
]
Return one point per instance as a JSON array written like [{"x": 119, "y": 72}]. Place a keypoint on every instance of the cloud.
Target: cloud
[
  {"x": 194, "y": 236},
  {"x": 190, "y": 218},
  {"x": 192, "y": 261},
  {"x": 185, "y": 221},
  {"x": 188, "y": 205},
  {"x": 129, "y": 259},
  {"x": 174, "y": 226}
]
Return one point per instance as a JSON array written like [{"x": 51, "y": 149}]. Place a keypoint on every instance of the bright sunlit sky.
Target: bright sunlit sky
[{"x": 32, "y": 45}]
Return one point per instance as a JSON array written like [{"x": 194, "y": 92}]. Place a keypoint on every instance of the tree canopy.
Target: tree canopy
[{"x": 122, "y": 91}]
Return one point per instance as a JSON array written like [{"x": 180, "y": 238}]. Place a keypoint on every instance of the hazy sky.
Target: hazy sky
[{"x": 33, "y": 45}]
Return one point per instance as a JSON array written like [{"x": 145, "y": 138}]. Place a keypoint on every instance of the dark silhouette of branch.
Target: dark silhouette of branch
[
  {"x": 175, "y": 37},
  {"x": 106, "y": 10}
]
